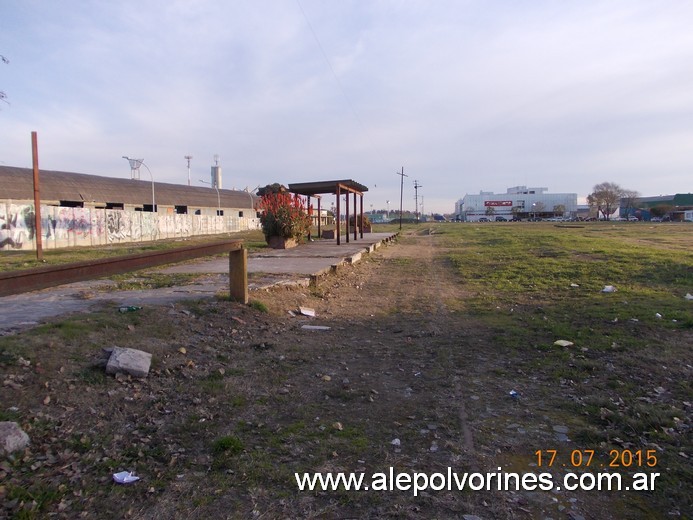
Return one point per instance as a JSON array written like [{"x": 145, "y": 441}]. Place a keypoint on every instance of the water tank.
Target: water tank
[{"x": 216, "y": 177}]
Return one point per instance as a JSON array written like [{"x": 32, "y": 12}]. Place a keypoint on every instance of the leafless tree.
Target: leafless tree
[
  {"x": 628, "y": 200},
  {"x": 3, "y": 96},
  {"x": 605, "y": 197}
]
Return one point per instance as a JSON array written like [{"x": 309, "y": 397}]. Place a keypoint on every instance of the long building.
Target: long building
[
  {"x": 82, "y": 209},
  {"x": 517, "y": 202},
  {"x": 79, "y": 190}
]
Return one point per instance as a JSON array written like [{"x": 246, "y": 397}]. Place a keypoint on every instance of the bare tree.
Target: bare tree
[
  {"x": 605, "y": 197},
  {"x": 538, "y": 207},
  {"x": 628, "y": 199},
  {"x": 3, "y": 96}
]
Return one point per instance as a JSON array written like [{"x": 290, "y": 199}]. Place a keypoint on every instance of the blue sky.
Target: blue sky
[{"x": 466, "y": 95}]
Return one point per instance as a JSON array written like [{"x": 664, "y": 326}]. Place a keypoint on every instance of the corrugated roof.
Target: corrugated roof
[
  {"x": 318, "y": 187},
  {"x": 17, "y": 184}
]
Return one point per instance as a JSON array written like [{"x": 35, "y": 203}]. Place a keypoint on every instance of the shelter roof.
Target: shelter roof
[{"x": 320, "y": 187}]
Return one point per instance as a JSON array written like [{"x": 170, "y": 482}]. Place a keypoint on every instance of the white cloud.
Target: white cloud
[{"x": 467, "y": 95}]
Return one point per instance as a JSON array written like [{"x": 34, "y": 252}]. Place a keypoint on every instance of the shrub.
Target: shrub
[{"x": 283, "y": 214}]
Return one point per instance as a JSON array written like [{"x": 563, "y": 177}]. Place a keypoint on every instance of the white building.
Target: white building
[{"x": 518, "y": 202}]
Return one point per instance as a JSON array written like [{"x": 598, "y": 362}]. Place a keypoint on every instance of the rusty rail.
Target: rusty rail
[{"x": 16, "y": 282}]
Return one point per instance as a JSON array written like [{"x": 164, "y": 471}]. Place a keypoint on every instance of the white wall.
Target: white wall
[{"x": 68, "y": 227}]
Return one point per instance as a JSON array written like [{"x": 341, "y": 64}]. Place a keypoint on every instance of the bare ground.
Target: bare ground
[{"x": 238, "y": 400}]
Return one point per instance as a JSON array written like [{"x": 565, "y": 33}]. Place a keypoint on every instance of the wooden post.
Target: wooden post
[
  {"x": 356, "y": 220},
  {"x": 37, "y": 198},
  {"x": 238, "y": 275},
  {"x": 319, "y": 219},
  {"x": 347, "y": 216},
  {"x": 338, "y": 226}
]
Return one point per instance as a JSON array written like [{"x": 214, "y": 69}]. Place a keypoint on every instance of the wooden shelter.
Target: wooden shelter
[{"x": 338, "y": 188}]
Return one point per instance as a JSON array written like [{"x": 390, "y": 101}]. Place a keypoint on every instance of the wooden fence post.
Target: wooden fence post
[{"x": 238, "y": 275}]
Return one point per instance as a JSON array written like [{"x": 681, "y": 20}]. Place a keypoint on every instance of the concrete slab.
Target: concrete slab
[{"x": 311, "y": 258}]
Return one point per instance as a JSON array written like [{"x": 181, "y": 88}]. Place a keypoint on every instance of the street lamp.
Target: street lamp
[
  {"x": 388, "y": 209},
  {"x": 135, "y": 165},
  {"x": 218, "y": 198}
]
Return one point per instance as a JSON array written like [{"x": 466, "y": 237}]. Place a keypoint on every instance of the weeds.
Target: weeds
[{"x": 259, "y": 306}]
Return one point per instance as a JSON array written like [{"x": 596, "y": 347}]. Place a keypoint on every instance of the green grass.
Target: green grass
[
  {"x": 518, "y": 284},
  {"x": 259, "y": 306}
]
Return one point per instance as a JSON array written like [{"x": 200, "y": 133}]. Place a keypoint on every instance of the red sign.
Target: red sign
[{"x": 498, "y": 203}]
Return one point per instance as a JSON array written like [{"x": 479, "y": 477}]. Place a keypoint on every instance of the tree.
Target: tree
[
  {"x": 538, "y": 207},
  {"x": 661, "y": 210},
  {"x": 490, "y": 210},
  {"x": 559, "y": 210},
  {"x": 605, "y": 197},
  {"x": 3, "y": 96},
  {"x": 628, "y": 199}
]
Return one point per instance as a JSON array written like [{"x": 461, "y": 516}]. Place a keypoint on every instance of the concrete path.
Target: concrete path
[{"x": 266, "y": 268}]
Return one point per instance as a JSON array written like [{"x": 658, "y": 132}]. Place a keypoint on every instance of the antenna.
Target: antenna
[
  {"x": 416, "y": 198},
  {"x": 216, "y": 159},
  {"x": 188, "y": 158},
  {"x": 134, "y": 167}
]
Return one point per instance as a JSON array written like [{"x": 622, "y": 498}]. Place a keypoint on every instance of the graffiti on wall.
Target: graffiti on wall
[
  {"x": 67, "y": 227},
  {"x": 16, "y": 226}
]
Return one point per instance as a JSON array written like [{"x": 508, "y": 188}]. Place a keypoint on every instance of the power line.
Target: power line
[{"x": 329, "y": 64}]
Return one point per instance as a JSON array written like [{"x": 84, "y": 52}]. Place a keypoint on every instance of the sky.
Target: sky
[{"x": 463, "y": 95}]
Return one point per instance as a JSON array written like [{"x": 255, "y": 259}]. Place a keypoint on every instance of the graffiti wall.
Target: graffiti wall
[{"x": 68, "y": 227}]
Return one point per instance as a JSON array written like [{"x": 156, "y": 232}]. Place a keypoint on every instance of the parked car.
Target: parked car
[
  {"x": 501, "y": 219},
  {"x": 633, "y": 218},
  {"x": 656, "y": 219},
  {"x": 484, "y": 219}
]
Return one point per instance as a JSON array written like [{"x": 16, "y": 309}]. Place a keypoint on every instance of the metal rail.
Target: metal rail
[{"x": 16, "y": 282}]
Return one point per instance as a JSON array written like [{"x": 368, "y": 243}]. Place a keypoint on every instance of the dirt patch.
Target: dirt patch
[{"x": 238, "y": 400}]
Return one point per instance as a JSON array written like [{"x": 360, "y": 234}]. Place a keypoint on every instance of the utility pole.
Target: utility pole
[
  {"x": 37, "y": 197},
  {"x": 416, "y": 198},
  {"x": 401, "y": 195},
  {"x": 188, "y": 157}
]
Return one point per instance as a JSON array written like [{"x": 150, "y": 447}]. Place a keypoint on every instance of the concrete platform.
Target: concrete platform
[{"x": 307, "y": 260}]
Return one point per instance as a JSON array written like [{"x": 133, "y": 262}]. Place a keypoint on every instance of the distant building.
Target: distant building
[
  {"x": 518, "y": 202},
  {"x": 670, "y": 207}
]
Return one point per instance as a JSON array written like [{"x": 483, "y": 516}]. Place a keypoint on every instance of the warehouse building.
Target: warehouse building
[
  {"x": 519, "y": 202},
  {"x": 675, "y": 208},
  {"x": 81, "y": 209}
]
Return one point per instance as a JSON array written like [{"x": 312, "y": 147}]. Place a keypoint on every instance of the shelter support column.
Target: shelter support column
[
  {"x": 346, "y": 222},
  {"x": 319, "y": 218},
  {"x": 338, "y": 224},
  {"x": 356, "y": 223}
]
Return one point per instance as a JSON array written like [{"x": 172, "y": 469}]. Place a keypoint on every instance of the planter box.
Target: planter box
[{"x": 277, "y": 242}]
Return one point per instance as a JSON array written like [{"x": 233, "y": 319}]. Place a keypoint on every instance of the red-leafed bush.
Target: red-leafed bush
[{"x": 283, "y": 214}]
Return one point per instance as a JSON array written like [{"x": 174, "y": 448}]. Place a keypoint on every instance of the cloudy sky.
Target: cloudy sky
[{"x": 466, "y": 95}]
